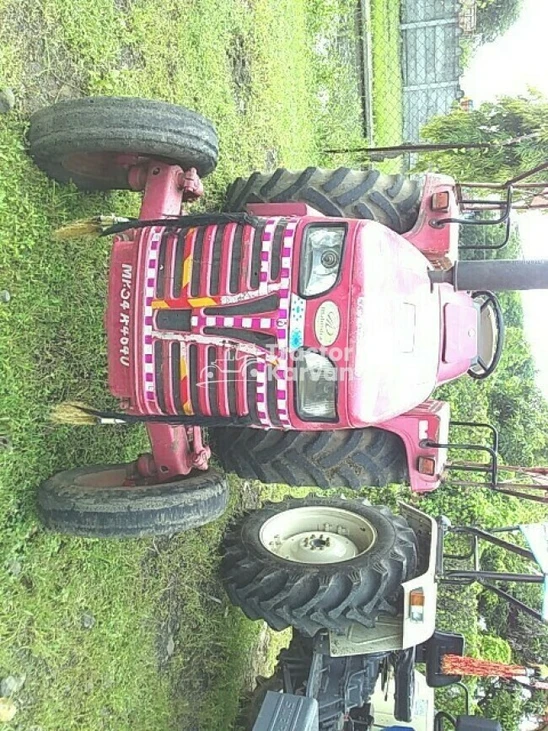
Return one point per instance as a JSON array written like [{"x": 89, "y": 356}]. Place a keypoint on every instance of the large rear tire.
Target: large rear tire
[
  {"x": 95, "y": 502},
  {"x": 82, "y": 140},
  {"x": 393, "y": 200},
  {"x": 318, "y": 563},
  {"x": 352, "y": 458}
]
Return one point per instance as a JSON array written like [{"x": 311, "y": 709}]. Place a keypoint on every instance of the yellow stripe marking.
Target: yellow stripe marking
[
  {"x": 187, "y": 271},
  {"x": 201, "y": 301},
  {"x": 188, "y": 408},
  {"x": 160, "y": 305}
]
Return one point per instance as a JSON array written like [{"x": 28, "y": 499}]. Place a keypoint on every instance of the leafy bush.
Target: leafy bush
[{"x": 523, "y": 117}]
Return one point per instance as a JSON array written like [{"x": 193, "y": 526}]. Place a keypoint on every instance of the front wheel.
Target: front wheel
[
  {"x": 318, "y": 563},
  {"x": 91, "y": 141},
  {"x": 96, "y": 502}
]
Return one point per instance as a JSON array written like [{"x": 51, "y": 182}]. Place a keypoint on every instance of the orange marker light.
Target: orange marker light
[
  {"x": 427, "y": 466},
  {"x": 416, "y": 605},
  {"x": 440, "y": 201}
]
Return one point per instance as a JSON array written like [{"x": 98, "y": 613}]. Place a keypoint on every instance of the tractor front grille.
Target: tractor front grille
[{"x": 217, "y": 378}]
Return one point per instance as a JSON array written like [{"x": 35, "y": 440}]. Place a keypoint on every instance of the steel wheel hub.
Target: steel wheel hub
[{"x": 318, "y": 535}]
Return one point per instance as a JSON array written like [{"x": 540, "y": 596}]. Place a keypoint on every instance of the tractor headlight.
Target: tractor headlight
[
  {"x": 316, "y": 387},
  {"x": 320, "y": 259}
]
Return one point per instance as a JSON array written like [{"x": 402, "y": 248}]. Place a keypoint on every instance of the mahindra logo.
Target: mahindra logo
[
  {"x": 327, "y": 323},
  {"x": 331, "y": 324}
]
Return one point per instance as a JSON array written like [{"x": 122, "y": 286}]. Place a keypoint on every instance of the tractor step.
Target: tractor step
[{"x": 286, "y": 712}]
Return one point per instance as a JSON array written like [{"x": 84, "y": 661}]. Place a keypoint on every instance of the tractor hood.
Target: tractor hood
[{"x": 394, "y": 327}]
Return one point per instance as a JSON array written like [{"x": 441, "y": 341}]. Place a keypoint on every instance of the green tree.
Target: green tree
[
  {"x": 496, "y": 16},
  {"x": 517, "y": 406},
  {"x": 504, "y": 703},
  {"x": 488, "y": 236},
  {"x": 523, "y": 117}
]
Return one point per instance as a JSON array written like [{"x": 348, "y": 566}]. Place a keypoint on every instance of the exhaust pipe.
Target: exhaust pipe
[{"x": 495, "y": 275}]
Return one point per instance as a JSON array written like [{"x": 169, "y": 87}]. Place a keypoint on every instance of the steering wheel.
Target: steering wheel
[{"x": 491, "y": 311}]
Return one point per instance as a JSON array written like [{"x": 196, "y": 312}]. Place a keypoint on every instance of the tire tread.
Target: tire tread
[
  {"x": 353, "y": 458},
  {"x": 393, "y": 200}
]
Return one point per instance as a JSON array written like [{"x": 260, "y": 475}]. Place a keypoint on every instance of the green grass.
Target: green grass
[
  {"x": 252, "y": 67},
  {"x": 387, "y": 76}
]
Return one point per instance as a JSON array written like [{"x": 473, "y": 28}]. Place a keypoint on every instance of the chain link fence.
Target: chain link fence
[
  {"x": 408, "y": 58},
  {"x": 422, "y": 78}
]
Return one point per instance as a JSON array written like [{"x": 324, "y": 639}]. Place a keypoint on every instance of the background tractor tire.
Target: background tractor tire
[
  {"x": 393, "y": 200},
  {"x": 80, "y": 140},
  {"x": 270, "y": 579},
  {"x": 354, "y": 458},
  {"x": 94, "y": 502}
]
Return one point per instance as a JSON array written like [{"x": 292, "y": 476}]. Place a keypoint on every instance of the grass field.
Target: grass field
[
  {"x": 127, "y": 636},
  {"x": 387, "y": 72}
]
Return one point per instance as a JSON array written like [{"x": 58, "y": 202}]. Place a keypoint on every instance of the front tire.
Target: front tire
[
  {"x": 393, "y": 200},
  {"x": 94, "y": 502},
  {"x": 353, "y": 458},
  {"x": 316, "y": 563},
  {"x": 82, "y": 140}
]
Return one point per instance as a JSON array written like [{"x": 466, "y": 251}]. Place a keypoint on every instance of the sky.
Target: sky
[{"x": 508, "y": 66}]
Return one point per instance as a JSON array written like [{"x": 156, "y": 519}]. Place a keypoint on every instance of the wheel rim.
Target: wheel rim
[
  {"x": 318, "y": 535},
  {"x": 109, "y": 478},
  {"x": 100, "y": 166}
]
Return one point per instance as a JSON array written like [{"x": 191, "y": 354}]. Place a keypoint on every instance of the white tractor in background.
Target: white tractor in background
[{"x": 358, "y": 584}]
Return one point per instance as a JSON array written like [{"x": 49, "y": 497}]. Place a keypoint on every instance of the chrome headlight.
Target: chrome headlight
[
  {"x": 316, "y": 387},
  {"x": 320, "y": 259}
]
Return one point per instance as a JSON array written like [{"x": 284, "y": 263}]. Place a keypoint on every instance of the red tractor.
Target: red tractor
[{"x": 305, "y": 326}]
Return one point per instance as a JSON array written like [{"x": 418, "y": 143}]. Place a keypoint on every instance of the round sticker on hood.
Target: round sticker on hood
[{"x": 327, "y": 323}]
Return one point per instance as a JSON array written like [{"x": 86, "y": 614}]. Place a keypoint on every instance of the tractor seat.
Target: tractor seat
[{"x": 476, "y": 723}]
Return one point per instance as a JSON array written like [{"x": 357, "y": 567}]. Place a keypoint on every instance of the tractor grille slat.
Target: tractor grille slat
[
  {"x": 176, "y": 377},
  {"x": 162, "y": 263},
  {"x": 179, "y": 262},
  {"x": 201, "y": 362},
  {"x": 175, "y": 247},
  {"x": 236, "y": 260},
  {"x": 216, "y": 259},
  {"x": 256, "y": 248},
  {"x": 160, "y": 369},
  {"x": 270, "y": 303},
  {"x": 231, "y": 376},
  {"x": 197, "y": 262},
  {"x": 213, "y": 375},
  {"x": 193, "y": 375},
  {"x": 247, "y": 336},
  {"x": 251, "y": 389},
  {"x": 276, "y": 256}
]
